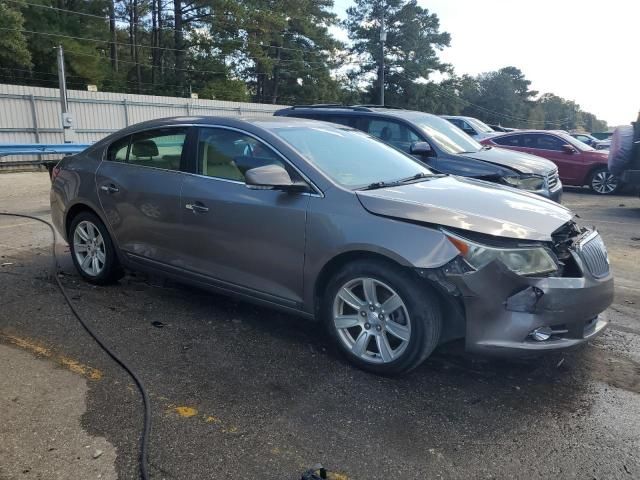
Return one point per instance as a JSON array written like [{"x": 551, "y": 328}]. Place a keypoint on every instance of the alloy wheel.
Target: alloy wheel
[
  {"x": 371, "y": 320},
  {"x": 603, "y": 182},
  {"x": 89, "y": 248}
]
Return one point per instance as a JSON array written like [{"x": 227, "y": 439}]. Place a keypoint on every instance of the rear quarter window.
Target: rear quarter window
[{"x": 118, "y": 150}]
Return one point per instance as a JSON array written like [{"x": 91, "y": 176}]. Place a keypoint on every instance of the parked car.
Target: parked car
[
  {"x": 578, "y": 163},
  {"x": 602, "y": 135},
  {"x": 327, "y": 222},
  {"x": 471, "y": 126},
  {"x": 592, "y": 141},
  {"x": 442, "y": 146}
]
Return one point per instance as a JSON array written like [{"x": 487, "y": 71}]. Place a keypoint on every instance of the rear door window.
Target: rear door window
[
  {"x": 509, "y": 141},
  {"x": 161, "y": 148}
]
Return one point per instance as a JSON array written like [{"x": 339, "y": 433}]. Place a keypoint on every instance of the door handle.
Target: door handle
[
  {"x": 196, "y": 207},
  {"x": 110, "y": 188}
]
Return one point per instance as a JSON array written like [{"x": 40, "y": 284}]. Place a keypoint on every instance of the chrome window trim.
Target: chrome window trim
[{"x": 317, "y": 193}]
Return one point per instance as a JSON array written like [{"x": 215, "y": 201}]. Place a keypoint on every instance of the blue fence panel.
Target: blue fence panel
[{"x": 41, "y": 148}]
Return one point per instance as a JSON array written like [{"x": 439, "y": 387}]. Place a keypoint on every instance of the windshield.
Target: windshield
[
  {"x": 351, "y": 158},
  {"x": 483, "y": 127},
  {"x": 444, "y": 133}
]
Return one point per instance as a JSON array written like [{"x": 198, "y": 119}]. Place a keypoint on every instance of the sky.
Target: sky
[{"x": 583, "y": 50}]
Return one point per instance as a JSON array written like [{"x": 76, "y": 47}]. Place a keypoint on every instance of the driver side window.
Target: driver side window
[
  {"x": 394, "y": 133},
  {"x": 228, "y": 154}
]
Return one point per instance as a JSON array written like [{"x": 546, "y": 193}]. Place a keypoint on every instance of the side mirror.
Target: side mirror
[
  {"x": 272, "y": 177},
  {"x": 420, "y": 148},
  {"x": 568, "y": 148}
]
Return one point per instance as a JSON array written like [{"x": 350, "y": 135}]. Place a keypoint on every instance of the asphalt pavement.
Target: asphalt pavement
[{"x": 243, "y": 392}]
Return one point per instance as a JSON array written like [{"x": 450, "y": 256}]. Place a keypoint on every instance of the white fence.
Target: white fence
[{"x": 32, "y": 114}]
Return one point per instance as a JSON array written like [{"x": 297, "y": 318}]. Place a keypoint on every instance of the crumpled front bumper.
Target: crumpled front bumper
[{"x": 503, "y": 308}]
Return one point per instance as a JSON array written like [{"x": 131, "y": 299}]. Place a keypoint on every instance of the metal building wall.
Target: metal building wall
[{"x": 32, "y": 114}]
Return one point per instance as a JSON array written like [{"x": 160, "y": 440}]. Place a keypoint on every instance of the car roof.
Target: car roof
[
  {"x": 400, "y": 113},
  {"x": 238, "y": 122},
  {"x": 462, "y": 117},
  {"x": 519, "y": 132},
  {"x": 243, "y": 123}
]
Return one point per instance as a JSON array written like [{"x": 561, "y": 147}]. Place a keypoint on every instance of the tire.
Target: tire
[
  {"x": 102, "y": 266},
  {"x": 400, "y": 339},
  {"x": 602, "y": 182}
]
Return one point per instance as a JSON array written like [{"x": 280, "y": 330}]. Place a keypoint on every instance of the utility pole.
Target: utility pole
[
  {"x": 383, "y": 38},
  {"x": 67, "y": 118}
]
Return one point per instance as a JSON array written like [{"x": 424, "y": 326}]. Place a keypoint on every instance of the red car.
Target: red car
[{"x": 578, "y": 163}]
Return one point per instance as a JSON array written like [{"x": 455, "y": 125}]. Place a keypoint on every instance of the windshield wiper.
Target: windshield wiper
[{"x": 412, "y": 178}]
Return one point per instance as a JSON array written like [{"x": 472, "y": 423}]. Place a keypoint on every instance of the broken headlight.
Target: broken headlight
[
  {"x": 530, "y": 182},
  {"x": 527, "y": 260}
]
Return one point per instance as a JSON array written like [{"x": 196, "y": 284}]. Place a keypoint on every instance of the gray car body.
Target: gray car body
[{"x": 293, "y": 242}]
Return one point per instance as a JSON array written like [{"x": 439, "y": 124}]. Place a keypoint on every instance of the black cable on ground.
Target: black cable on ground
[{"x": 144, "y": 439}]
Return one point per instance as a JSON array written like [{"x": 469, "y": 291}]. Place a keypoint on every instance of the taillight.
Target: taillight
[{"x": 55, "y": 172}]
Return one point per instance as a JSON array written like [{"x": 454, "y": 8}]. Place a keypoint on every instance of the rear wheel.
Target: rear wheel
[
  {"x": 92, "y": 250},
  {"x": 382, "y": 317},
  {"x": 602, "y": 182}
]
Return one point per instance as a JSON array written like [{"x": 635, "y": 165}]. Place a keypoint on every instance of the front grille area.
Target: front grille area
[
  {"x": 552, "y": 179},
  {"x": 594, "y": 254}
]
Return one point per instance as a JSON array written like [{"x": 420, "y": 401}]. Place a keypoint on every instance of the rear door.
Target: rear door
[
  {"x": 139, "y": 184},
  {"x": 244, "y": 239}
]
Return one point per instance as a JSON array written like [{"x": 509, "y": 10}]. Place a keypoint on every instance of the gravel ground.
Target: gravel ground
[{"x": 243, "y": 392}]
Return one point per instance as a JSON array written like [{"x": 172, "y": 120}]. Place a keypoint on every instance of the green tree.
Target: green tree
[
  {"x": 14, "y": 51},
  {"x": 502, "y": 96},
  {"x": 410, "y": 50},
  {"x": 286, "y": 51}
]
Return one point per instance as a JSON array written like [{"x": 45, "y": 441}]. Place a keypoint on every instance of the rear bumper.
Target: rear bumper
[{"x": 503, "y": 309}]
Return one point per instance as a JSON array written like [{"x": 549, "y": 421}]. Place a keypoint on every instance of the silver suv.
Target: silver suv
[{"x": 330, "y": 223}]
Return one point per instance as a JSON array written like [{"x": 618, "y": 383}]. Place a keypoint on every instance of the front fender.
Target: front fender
[{"x": 351, "y": 229}]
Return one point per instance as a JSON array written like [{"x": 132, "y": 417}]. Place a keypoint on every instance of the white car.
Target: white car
[{"x": 472, "y": 126}]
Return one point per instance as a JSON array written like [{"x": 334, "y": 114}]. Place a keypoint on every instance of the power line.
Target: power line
[
  {"x": 142, "y": 25},
  {"x": 213, "y": 72},
  {"x": 479, "y": 107},
  {"x": 59, "y": 35},
  {"x": 82, "y": 79}
]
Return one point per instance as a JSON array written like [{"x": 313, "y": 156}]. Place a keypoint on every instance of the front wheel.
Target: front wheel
[
  {"x": 602, "y": 182},
  {"x": 383, "y": 318}
]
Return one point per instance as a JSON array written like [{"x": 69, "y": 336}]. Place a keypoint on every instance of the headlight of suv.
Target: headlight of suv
[
  {"x": 521, "y": 260},
  {"x": 531, "y": 182}
]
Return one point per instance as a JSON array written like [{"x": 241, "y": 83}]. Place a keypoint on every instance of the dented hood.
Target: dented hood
[
  {"x": 519, "y": 161},
  {"x": 469, "y": 204}
]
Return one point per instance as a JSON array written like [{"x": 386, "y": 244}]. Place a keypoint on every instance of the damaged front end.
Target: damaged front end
[{"x": 516, "y": 302}]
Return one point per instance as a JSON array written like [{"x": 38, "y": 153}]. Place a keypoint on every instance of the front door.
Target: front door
[
  {"x": 244, "y": 239},
  {"x": 139, "y": 184},
  {"x": 552, "y": 148}
]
